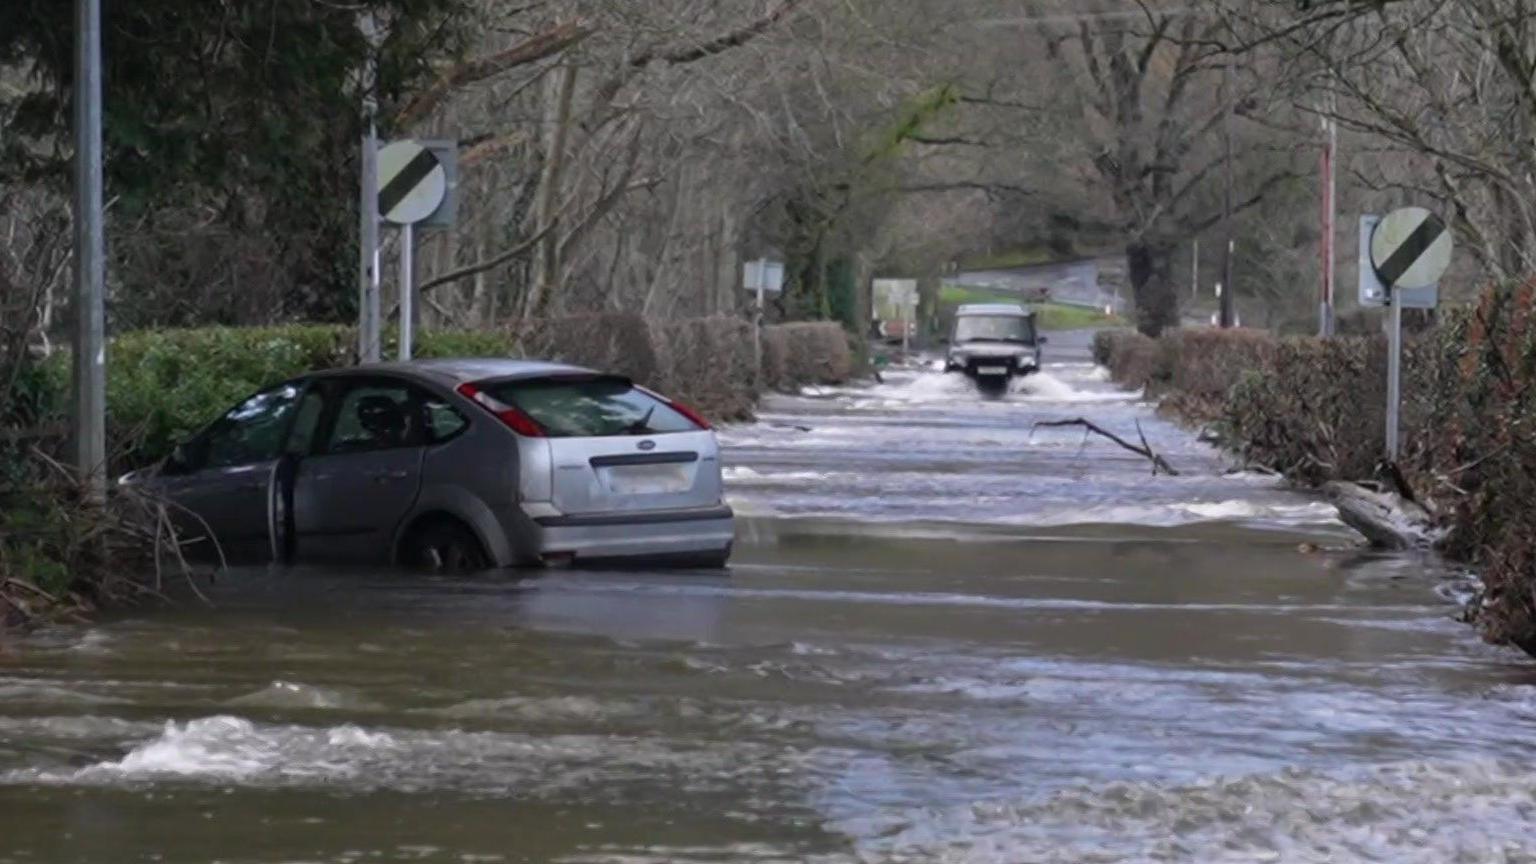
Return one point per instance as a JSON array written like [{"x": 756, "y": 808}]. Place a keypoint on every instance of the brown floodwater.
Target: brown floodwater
[{"x": 946, "y": 637}]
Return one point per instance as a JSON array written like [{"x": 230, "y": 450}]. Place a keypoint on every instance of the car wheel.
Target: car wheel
[{"x": 444, "y": 547}]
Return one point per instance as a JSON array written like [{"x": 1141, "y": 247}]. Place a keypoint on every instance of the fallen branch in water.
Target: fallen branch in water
[
  {"x": 1089, "y": 427},
  {"x": 1386, "y": 519}
]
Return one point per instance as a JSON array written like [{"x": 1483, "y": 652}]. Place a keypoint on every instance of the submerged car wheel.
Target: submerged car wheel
[{"x": 444, "y": 547}]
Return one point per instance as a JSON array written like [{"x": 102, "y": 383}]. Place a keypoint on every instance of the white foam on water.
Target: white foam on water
[
  {"x": 1046, "y": 387},
  {"x": 1310, "y": 512},
  {"x": 543, "y": 709},
  {"x": 1482, "y": 811},
  {"x": 818, "y": 391},
  {"x": 1163, "y": 515},
  {"x": 936, "y": 388},
  {"x": 926, "y": 387},
  {"x": 743, "y": 476},
  {"x": 1188, "y": 513},
  {"x": 214, "y": 746},
  {"x": 288, "y": 694},
  {"x": 25, "y": 691},
  {"x": 228, "y": 749}
]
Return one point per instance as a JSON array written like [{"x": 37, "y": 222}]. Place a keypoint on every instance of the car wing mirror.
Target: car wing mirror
[
  {"x": 1043, "y": 339},
  {"x": 179, "y": 462}
]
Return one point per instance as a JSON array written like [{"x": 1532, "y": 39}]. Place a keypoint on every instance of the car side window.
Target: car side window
[
  {"x": 251, "y": 432},
  {"x": 306, "y": 423},
  {"x": 444, "y": 422},
  {"x": 376, "y": 415}
]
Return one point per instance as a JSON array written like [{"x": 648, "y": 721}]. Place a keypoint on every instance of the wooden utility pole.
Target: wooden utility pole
[{"x": 89, "y": 334}]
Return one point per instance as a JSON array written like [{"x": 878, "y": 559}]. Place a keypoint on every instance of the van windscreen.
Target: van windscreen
[{"x": 995, "y": 328}]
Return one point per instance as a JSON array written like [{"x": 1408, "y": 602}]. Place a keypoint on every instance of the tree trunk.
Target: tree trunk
[
  {"x": 561, "y": 90},
  {"x": 1152, "y": 284}
]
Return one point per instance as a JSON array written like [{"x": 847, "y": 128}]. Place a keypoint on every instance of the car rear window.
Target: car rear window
[{"x": 589, "y": 407}]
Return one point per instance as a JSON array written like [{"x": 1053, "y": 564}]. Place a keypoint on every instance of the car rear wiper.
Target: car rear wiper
[{"x": 643, "y": 425}]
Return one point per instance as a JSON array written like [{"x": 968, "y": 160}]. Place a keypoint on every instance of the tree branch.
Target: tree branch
[
  {"x": 482, "y": 266},
  {"x": 531, "y": 50},
  {"x": 677, "y": 55},
  {"x": 1257, "y": 197},
  {"x": 1145, "y": 450}
]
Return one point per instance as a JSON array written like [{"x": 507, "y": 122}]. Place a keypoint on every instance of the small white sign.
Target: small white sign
[
  {"x": 894, "y": 299},
  {"x": 763, "y": 275}
]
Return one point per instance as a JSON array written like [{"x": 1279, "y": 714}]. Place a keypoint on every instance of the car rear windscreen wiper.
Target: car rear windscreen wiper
[{"x": 643, "y": 425}]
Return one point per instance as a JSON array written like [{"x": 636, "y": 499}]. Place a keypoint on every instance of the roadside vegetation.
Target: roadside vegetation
[{"x": 1314, "y": 410}]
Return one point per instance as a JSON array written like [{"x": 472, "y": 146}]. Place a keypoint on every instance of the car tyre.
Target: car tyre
[{"x": 444, "y": 547}]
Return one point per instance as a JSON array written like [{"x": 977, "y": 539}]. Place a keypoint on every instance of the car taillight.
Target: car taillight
[
  {"x": 696, "y": 417},
  {"x": 514, "y": 418}
]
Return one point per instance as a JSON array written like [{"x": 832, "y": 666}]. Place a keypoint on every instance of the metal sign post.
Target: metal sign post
[
  {"x": 1409, "y": 250},
  {"x": 90, "y": 361},
  {"x": 369, "y": 308},
  {"x": 407, "y": 291},
  {"x": 413, "y": 184},
  {"x": 1325, "y": 317},
  {"x": 1395, "y": 376}
]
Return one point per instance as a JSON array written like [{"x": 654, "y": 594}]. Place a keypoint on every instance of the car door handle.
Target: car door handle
[{"x": 386, "y": 476}]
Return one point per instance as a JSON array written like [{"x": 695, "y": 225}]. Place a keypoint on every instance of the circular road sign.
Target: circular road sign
[
  {"x": 1411, "y": 249},
  {"x": 412, "y": 183}
]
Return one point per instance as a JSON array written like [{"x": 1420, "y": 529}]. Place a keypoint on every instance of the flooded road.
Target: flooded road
[{"x": 946, "y": 637}]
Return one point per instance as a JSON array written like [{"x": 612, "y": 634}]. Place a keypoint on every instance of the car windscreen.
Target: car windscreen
[
  {"x": 589, "y": 407},
  {"x": 994, "y": 328}
]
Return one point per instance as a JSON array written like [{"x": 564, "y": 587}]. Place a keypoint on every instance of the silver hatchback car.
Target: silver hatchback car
[{"x": 455, "y": 464}]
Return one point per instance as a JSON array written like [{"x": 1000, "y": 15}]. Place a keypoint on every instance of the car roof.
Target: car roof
[
  {"x": 461, "y": 370},
  {"x": 993, "y": 309}
]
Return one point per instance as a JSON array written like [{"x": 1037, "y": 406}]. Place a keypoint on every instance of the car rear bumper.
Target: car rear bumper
[{"x": 642, "y": 534}]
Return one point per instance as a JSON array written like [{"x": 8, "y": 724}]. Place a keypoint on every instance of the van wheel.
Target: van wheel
[{"x": 442, "y": 546}]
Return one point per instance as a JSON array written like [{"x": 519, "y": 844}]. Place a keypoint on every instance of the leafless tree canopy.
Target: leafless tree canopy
[{"x": 630, "y": 155}]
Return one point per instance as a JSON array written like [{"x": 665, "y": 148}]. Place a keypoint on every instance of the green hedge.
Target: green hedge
[
  {"x": 1315, "y": 410},
  {"x": 165, "y": 385}
]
